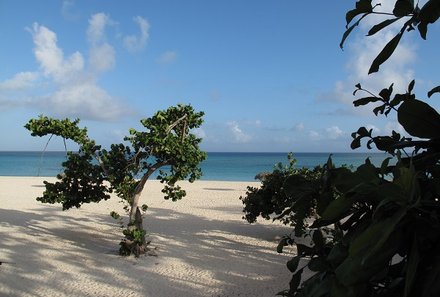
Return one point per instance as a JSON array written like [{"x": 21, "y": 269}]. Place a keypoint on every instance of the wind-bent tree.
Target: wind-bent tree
[
  {"x": 93, "y": 173},
  {"x": 377, "y": 229}
]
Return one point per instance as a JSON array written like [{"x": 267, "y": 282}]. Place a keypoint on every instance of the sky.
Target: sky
[{"x": 269, "y": 75}]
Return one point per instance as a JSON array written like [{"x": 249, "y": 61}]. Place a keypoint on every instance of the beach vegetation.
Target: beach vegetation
[
  {"x": 376, "y": 229},
  {"x": 91, "y": 174}
]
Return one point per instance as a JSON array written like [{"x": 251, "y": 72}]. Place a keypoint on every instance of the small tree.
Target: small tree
[{"x": 92, "y": 173}]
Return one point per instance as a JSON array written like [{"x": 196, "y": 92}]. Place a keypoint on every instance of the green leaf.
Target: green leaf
[
  {"x": 419, "y": 119},
  {"x": 372, "y": 249},
  {"x": 434, "y": 90},
  {"x": 380, "y": 26},
  {"x": 386, "y": 52},
  {"x": 337, "y": 209}
]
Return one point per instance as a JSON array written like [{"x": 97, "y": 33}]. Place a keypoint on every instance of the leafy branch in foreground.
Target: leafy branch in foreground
[
  {"x": 404, "y": 10},
  {"x": 376, "y": 230},
  {"x": 93, "y": 173}
]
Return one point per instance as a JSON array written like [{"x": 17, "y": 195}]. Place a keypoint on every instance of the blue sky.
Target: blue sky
[{"x": 269, "y": 75}]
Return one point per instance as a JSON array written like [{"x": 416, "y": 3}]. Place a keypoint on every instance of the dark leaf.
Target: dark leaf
[
  {"x": 362, "y": 6},
  {"x": 348, "y": 31},
  {"x": 337, "y": 254},
  {"x": 384, "y": 143},
  {"x": 283, "y": 242},
  {"x": 386, "y": 52},
  {"x": 379, "y": 109},
  {"x": 317, "y": 264},
  {"x": 362, "y": 131},
  {"x": 403, "y": 8},
  {"x": 429, "y": 13},
  {"x": 371, "y": 250},
  {"x": 386, "y": 93},
  {"x": 411, "y": 271},
  {"x": 384, "y": 166},
  {"x": 356, "y": 143},
  {"x": 318, "y": 239},
  {"x": 380, "y": 26},
  {"x": 398, "y": 98},
  {"x": 419, "y": 119},
  {"x": 295, "y": 281},
  {"x": 292, "y": 264},
  {"x": 434, "y": 90},
  {"x": 304, "y": 250},
  {"x": 364, "y": 101},
  {"x": 411, "y": 86}
]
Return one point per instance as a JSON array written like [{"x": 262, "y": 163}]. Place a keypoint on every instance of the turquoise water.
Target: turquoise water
[{"x": 218, "y": 166}]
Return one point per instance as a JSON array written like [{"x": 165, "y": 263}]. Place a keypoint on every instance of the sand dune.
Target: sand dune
[{"x": 202, "y": 246}]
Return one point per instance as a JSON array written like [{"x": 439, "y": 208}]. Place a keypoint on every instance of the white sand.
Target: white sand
[{"x": 203, "y": 246}]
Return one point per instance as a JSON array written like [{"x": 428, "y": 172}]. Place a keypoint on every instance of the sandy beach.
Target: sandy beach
[{"x": 203, "y": 246}]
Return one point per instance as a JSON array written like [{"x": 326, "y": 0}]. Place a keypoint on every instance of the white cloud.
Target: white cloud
[
  {"x": 334, "y": 132},
  {"x": 84, "y": 100},
  {"x": 135, "y": 43},
  {"x": 314, "y": 135},
  {"x": 102, "y": 54},
  {"x": 298, "y": 127},
  {"x": 199, "y": 132},
  {"x": 51, "y": 57},
  {"x": 96, "y": 29},
  {"x": 67, "y": 10},
  {"x": 372, "y": 127},
  {"x": 77, "y": 94},
  {"x": 20, "y": 80},
  {"x": 239, "y": 135},
  {"x": 167, "y": 57},
  {"x": 394, "y": 126},
  {"x": 102, "y": 58}
]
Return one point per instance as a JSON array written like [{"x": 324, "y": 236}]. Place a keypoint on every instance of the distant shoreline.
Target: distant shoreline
[
  {"x": 219, "y": 166},
  {"x": 329, "y": 153}
]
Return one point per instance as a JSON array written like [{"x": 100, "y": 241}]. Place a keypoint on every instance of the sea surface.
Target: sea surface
[{"x": 218, "y": 166}]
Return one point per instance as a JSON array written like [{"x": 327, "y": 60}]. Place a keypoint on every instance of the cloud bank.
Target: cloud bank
[{"x": 72, "y": 80}]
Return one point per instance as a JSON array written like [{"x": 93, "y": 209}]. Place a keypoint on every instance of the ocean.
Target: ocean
[{"x": 218, "y": 166}]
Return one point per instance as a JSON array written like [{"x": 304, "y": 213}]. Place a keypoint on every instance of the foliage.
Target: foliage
[
  {"x": 404, "y": 10},
  {"x": 290, "y": 205},
  {"x": 93, "y": 173},
  {"x": 384, "y": 221}
]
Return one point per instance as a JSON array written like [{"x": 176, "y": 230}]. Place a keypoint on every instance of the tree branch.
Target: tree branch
[{"x": 176, "y": 123}]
